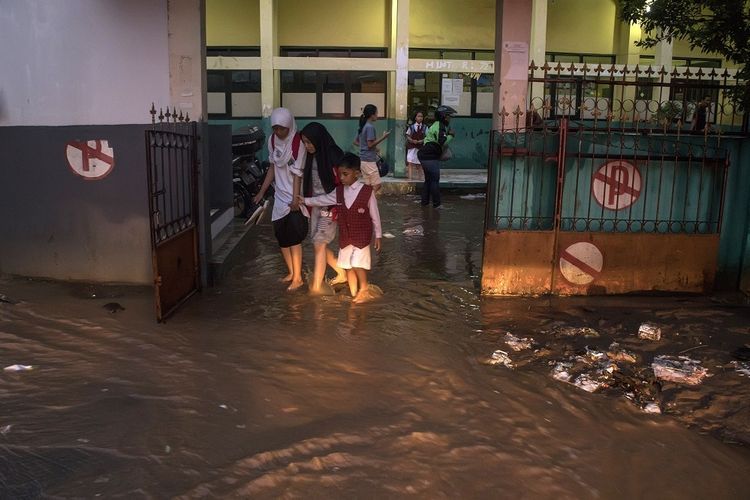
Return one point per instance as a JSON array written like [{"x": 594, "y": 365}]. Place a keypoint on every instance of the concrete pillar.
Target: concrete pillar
[
  {"x": 400, "y": 92},
  {"x": 538, "y": 49},
  {"x": 268, "y": 50},
  {"x": 664, "y": 51},
  {"x": 187, "y": 57},
  {"x": 512, "y": 38}
]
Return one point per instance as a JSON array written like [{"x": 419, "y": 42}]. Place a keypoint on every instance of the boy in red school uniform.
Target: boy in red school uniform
[{"x": 358, "y": 218}]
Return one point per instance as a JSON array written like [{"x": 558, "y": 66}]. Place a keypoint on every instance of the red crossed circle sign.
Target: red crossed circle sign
[
  {"x": 92, "y": 160},
  {"x": 581, "y": 263},
  {"x": 616, "y": 185}
]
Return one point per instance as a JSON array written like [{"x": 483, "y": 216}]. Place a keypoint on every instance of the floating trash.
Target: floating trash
[
  {"x": 616, "y": 353},
  {"x": 18, "y": 368},
  {"x": 516, "y": 343},
  {"x": 388, "y": 235},
  {"x": 478, "y": 196},
  {"x": 500, "y": 358},
  {"x": 741, "y": 367},
  {"x": 649, "y": 331},
  {"x": 680, "y": 369},
  {"x": 561, "y": 371},
  {"x": 572, "y": 331},
  {"x": 652, "y": 407},
  {"x": 113, "y": 307},
  {"x": 5, "y": 429},
  {"x": 414, "y": 231}
]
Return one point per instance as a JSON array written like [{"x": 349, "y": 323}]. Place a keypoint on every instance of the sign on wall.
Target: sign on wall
[
  {"x": 581, "y": 263},
  {"x": 616, "y": 185},
  {"x": 92, "y": 160}
]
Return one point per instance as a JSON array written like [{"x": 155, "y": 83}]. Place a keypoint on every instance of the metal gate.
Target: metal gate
[
  {"x": 625, "y": 198},
  {"x": 172, "y": 163}
]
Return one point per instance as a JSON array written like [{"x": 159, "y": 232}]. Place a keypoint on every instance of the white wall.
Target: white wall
[{"x": 82, "y": 62}]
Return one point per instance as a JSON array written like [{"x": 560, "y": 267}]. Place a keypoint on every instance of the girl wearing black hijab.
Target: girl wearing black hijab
[{"x": 320, "y": 176}]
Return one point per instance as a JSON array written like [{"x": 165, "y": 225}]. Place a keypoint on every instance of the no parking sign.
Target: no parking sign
[
  {"x": 616, "y": 185},
  {"x": 92, "y": 160}
]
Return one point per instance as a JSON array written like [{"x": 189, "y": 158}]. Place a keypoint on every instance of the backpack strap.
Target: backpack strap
[{"x": 295, "y": 144}]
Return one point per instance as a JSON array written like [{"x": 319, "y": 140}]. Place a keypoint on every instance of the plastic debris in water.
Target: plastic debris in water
[
  {"x": 388, "y": 235},
  {"x": 516, "y": 343},
  {"x": 680, "y": 369},
  {"x": 477, "y": 196},
  {"x": 18, "y": 368},
  {"x": 742, "y": 367},
  {"x": 616, "y": 353},
  {"x": 414, "y": 231},
  {"x": 561, "y": 371},
  {"x": 573, "y": 331},
  {"x": 5, "y": 429},
  {"x": 652, "y": 407},
  {"x": 113, "y": 307},
  {"x": 500, "y": 358},
  {"x": 649, "y": 331},
  {"x": 588, "y": 383}
]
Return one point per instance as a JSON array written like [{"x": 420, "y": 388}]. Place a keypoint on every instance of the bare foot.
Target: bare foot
[
  {"x": 294, "y": 285},
  {"x": 372, "y": 292},
  {"x": 338, "y": 280},
  {"x": 286, "y": 279},
  {"x": 324, "y": 289}
]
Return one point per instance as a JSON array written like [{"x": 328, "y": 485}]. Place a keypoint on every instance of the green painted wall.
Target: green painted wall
[
  {"x": 469, "y": 147},
  {"x": 522, "y": 194}
]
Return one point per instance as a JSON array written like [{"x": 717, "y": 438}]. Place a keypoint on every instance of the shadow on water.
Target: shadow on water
[{"x": 253, "y": 392}]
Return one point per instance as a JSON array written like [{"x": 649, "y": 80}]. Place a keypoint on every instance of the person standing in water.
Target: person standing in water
[
  {"x": 436, "y": 142},
  {"x": 320, "y": 177},
  {"x": 287, "y": 155},
  {"x": 358, "y": 218},
  {"x": 368, "y": 146}
]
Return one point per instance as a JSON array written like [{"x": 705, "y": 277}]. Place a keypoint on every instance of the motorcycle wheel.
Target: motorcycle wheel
[{"x": 242, "y": 201}]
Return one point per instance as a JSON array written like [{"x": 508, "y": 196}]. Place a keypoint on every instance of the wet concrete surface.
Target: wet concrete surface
[{"x": 253, "y": 392}]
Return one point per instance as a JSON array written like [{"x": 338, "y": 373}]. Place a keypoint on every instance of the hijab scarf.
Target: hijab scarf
[
  {"x": 327, "y": 154},
  {"x": 281, "y": 149}
]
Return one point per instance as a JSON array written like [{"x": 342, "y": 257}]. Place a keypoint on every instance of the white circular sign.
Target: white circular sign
[
  {"x": 92, "y": 160},
  {"x": 581, "y": 263},
  {"x": 616, "y": 185}
]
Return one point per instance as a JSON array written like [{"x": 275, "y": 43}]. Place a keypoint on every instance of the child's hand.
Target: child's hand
[
  {"x": 377, "y": 244},
  {"x": 300, "y": 200},
  {"x": 386, "y": 134}
]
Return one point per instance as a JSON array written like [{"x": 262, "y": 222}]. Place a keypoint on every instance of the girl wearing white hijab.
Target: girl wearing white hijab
[{"x": 287, "y": 154}]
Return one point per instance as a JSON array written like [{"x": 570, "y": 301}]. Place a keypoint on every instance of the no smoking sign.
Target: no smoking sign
[{"x": 616, "y": 185}]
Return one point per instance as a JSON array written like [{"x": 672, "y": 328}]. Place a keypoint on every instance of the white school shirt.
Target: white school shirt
[
  {"x": 350, "y": 195},
  {"x": 284, "y": 181}
]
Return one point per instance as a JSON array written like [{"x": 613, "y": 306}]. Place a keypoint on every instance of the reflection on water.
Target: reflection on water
[{"x": 250, "y": 391}]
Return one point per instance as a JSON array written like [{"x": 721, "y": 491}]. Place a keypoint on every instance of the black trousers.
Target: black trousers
[{"x": 431, "y": 185}]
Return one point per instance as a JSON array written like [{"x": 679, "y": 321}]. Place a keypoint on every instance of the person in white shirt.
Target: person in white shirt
[
  {"x": 356, "y": 212},
  {"x": 286, "y": 152}
]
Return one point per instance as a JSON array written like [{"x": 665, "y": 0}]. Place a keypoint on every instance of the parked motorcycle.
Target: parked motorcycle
[{"x": 248, "y": 173}]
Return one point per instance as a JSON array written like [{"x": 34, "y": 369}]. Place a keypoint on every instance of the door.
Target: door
[{"x": 172, "y": 162}]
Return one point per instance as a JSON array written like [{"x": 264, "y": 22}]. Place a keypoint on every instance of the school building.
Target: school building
[{"x": 326, "y": 60}]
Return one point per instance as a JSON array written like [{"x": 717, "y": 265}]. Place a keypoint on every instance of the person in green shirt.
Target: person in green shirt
[{"x": 436, "y": 141}]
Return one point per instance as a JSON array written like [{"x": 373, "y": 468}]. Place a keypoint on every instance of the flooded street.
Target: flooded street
[{"x": 253, "y": 392}]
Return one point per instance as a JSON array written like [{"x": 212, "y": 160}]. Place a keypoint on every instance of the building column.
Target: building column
[
  {"x": 664, "y": 51},
  {"x": 538, "y": 49},
  {"x": 187, "y": 57},
  {"x": 512, "y": 38},
  {"x": 400, "y": 88},
  {"x": 268, "y": 50}
]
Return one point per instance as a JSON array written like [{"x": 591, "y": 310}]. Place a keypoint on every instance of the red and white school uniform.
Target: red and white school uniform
[{"x": 358, "y": 217}]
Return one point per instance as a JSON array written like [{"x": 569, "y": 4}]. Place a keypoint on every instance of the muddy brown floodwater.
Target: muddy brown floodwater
[{"x": 252, "y": 392}]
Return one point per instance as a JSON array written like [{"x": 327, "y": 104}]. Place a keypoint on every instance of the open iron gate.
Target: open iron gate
[
  {"x": 172, "y": 162},
  {"x": 605, "y": 203}
]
